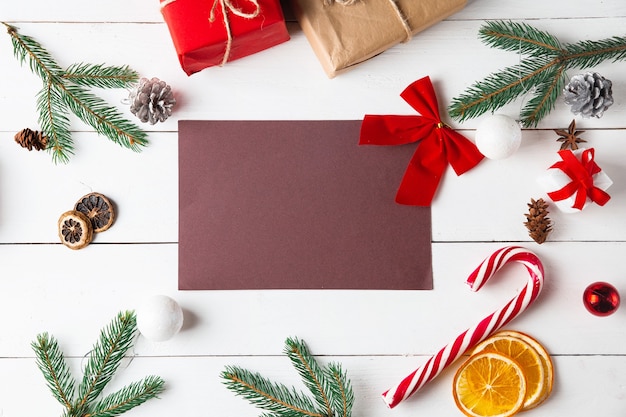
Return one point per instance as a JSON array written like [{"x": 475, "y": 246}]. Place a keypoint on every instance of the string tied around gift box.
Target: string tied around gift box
[
  {"x": 581, "y": 173},
  {"x": 394, "y": 6},
  {"x": 227, "y": 7}
]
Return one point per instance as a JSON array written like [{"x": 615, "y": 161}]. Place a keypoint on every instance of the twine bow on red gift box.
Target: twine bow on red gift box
[
  {"x": 439, "y": 144},
  {"x": 581, "y": 173}
]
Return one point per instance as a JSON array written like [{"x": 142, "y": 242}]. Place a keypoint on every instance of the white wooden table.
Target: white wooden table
[{"x": 379, "y": 336}]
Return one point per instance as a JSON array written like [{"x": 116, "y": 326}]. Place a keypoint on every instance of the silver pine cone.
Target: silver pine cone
[
  {"x": 152, "y": 100},
  {"x": 588, "y": 94}
]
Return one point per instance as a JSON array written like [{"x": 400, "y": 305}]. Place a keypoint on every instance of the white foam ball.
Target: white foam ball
[
  {"x": 159, "y": 318},
  {"x": 498, "y": 136}
]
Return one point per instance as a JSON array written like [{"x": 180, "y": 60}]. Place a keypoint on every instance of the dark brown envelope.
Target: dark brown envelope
[{"x": 296, "y": 205}]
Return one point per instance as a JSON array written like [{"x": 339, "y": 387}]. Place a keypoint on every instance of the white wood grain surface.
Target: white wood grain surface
[{"x": 379, "y": 336}]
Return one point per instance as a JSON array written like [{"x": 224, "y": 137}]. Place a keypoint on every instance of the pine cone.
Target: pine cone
[
  {"x": 152, "y": 100},
  {"x": 538, "y": 224},
  {"x": 589, "y": 94},
  {"x": 31, "y": 139}
]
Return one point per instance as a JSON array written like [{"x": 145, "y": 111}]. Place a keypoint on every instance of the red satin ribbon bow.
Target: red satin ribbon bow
[
  {"x": 439, "y": 144},
  {"x": 581, "y": 172}
]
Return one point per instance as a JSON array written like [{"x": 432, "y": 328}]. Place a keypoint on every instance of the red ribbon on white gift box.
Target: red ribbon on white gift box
[{"x": 581, "y": 172}]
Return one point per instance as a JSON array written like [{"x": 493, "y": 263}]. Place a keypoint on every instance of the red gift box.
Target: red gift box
[{"x": 212, "y": 32}]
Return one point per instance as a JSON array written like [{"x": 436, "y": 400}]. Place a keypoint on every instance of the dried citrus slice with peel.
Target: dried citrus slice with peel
[
  {"x": 489, "y": 384},
  {"x": 548, "y": 368},
  {"x": 98, "y": 208},
  {"x": 525, "y": 355},
  {"x": 75, "y": 229}
]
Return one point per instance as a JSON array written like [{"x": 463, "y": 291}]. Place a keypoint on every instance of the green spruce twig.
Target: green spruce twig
[
  {"x": 103, "y": 362},
  {"x": 331, "y": 389},
  {"x": 541, "y": 71},
  {"x": 66, "y": 90}
]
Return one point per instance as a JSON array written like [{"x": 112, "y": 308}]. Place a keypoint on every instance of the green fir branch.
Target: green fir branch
[
  {"x": 341, "y": 390},
  {"x": 51, "y": 362},
  {"x": 104, "y": 359},
  {"x": 267, "y": 395},
  {"x": 541, "y": 72},
  {"x": 106, "y": 120},
  {"x": 128, "y": 398},
  {"x": 53, "y": 119},
  {"x": 28, "y": 49},
  {"x": 100, "y": 76},
  {"x": 65, "y": 89},
  {"x": 519, "y": 37},
  {"x": 106, "y": 356},
  {"x": 331, "y": 389},
  {"x": 544, "y": 98},
  {"x": 310, "y": 372},
  {"x": 499, "y": 89},
  {"x": 587, "y": 54}
]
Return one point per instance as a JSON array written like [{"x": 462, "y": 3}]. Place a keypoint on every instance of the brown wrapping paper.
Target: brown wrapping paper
[{"x": 345, "y": 35}]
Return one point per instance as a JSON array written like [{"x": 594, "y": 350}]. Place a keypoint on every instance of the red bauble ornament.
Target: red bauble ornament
[{"x": 601, "y": 299}]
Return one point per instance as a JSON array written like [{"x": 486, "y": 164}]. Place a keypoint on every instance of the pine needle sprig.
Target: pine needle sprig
[
  {"x": 52, "y": 364},
  {"x": 65, "y": 90},
  {"x": 267, "y": 395},
  {"x": 546, "y": 94},
  {"x": 53, "y": 118},
  {"x": 127, "y": 398},
  {"x": 330, "y": 387},
  {"x": 106, "y": 356},
  {"x": 507, "y": 36},
  {"x": 499, "y": 89},
  {"x": 106, "y": 120},
  {"x": 26, "y": 48},
  {"x": 311, "y": 373},
  {"x": 100, "y": 76},
  {"x": 104, "y": 359},
  {"x": 587, "y": 54},
  {"x": 342, "y": 394},
  {"x": 541, "y": 70}
]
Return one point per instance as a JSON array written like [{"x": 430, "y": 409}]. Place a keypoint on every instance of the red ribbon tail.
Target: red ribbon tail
[
  {"x": 422, "y": 176},
  {"x": 462, "y": 154},
  {"x": 599, "y": 196}
]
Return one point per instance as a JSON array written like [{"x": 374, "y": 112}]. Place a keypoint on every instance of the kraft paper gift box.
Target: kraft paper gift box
[
  {"x": 343, "y": 35},
  {"x": 211, "y": 32}
]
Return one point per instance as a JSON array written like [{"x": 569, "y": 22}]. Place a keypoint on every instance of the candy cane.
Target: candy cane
[{"x": 487, "y": 326}]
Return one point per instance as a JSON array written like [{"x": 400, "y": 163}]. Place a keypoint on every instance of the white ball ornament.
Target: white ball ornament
[
  {"x": 159, "y": 318},
  {"x": 498, "y": 136}
]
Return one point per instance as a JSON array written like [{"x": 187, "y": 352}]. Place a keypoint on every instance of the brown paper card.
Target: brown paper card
[
  {"x": 296, "y": 205},
  {"x": 345, "y": 35}
]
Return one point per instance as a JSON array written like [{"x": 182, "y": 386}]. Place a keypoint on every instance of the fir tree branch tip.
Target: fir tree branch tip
[{"x": 331, "y": 390}]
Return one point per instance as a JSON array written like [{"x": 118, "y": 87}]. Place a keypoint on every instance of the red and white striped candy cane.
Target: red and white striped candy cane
[{"x": 487, "y": 326}]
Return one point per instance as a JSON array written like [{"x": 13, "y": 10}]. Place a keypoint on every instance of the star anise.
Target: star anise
[{"x": 569, "y": 137}]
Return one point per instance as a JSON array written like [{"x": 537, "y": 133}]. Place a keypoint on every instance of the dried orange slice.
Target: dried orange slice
[
  {"x": 525, "y": 355},
  {"x": 546, "y": 361},
  {"x": 98, "y": 209},
  {"x": 75, "y": 230},
  {"x": 489, "y": 384}
]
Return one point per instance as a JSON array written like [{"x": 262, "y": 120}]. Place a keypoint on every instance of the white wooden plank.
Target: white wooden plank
[
  {"x": 449, "y": 53},
  {"x": 142, "y": 186},
  {"x": 148, "y": 11},
  {"x": 70, "y": 294},
  {"x": 584, "y": 385}
]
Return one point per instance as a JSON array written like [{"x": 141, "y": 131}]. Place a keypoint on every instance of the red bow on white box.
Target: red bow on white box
[{"x": 576, "y": 180}]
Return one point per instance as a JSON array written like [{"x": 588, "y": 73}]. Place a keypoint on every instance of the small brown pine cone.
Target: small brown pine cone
[
  {"x": 31, "y": 139},
  {"x": 538, "y": 224}
]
